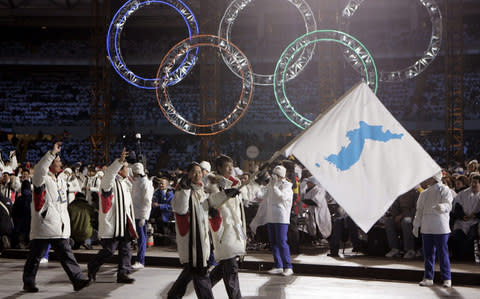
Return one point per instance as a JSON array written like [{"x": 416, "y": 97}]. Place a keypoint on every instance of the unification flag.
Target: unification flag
[{"x": 362, "y": 155}]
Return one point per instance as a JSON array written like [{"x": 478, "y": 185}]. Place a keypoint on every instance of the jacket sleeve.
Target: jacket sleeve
[
  {"x": 180, "y": 201},
  {"x": 38, "y": 179},
  {"x": 110, "y": 174},
  {"x": 217, "y": 199},
  {"x": 41, "y": 169},
  {"x": 417, "y": 221}
]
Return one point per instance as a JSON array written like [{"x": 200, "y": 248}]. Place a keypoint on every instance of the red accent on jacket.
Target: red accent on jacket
[{"x": 183, "y": 223}]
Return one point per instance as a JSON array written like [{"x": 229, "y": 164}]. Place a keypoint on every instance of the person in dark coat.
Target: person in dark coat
[
  {"x": 81, "y": 216},
  {"x": 21, "y": 214}
]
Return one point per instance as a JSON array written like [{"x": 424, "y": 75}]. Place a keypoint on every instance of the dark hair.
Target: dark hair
[
  {"x": 476, "y": 177},
  {"x": 463, "y": 179},
  {"x": 191, "y": 165},
  {"x": 221, "y": 160}
]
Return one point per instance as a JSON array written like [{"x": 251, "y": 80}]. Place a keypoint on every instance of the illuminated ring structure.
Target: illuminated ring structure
[
  {"x": 361, "y": 58},
  {"x": 236, "y": 59},
  {"x": 231, "y": 15},
  {"x": 115, "y": 30},
  {"x": 428, "y": 55}
]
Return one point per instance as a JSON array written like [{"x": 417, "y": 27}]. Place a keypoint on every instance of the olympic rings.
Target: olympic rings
[
  {"x": 237, "y": 59},
  {"x": 229, "y": 18},
  {"x": 116, "y": 27},
  {"x": 357, "y": 49},
  {"x": 428, "y": 55}
]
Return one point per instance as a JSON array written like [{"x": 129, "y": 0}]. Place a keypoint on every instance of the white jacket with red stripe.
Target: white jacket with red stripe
[
  {"x": 49, "y": 212},
  {"x": 116, "y": 213},
  {"x": 229, "y": 234}
]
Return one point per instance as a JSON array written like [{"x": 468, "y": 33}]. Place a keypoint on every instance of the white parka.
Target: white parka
[
  {"x": 321, "y": 214},
  {"x": 49, "y": 212},
  {"x": 142, "y": 193},
  {"x": 112, "y": 216},
  {"x": 434, "y": 220},
  {"x": 186, "y": 218},
  {"x": 229, "y": 238}
]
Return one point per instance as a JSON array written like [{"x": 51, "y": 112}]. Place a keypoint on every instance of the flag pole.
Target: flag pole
[{"x": 280, "y": 152}]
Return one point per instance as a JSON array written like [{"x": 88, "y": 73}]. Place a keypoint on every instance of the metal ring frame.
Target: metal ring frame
[
  {"x": 116, "y": 27},
  {"x": 362, "y": 59},
  {"x": 428, "y": 55},
  {"x": 303, "y": 47},
  {"x": 231, "y": 15},
  {"x": 237, "y": 59}
]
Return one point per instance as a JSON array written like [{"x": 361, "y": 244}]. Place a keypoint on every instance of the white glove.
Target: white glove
[
  {"x": 415, "y": 231},
  {"x": 439, "y": 208},
  {"x": 141, "y": 222}
]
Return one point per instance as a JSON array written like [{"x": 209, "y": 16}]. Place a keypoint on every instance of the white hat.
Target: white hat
[
  {"x": 280, "y": 171},
  {"x": 137, "y": 168},
  {"x": 472, "y": 162},
  {"x": 8, "y": 169},
  {"x": 438, "y": 176},
  {"x": 313, "y": 180},
  {"x": 100, "y": 173},
  {"x": 206, "y": 165},
  {"x": 69, "y": 170}
]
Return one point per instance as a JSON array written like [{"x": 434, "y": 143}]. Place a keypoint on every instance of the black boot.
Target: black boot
[
  {"x": 30, "y": 288},
  {"x": 123, "y": 278},
  {"x": 80, "y": 284}
]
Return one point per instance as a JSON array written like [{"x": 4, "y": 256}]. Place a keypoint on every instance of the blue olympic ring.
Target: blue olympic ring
[{"x": 119, "y": 21}]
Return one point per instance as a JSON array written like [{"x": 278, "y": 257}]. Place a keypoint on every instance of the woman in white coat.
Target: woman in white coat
[
  {"x": 432, "y": 215},
  {"x": 277, "y": 203}
]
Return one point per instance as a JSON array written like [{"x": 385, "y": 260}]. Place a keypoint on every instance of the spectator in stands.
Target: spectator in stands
[
  {"x": 275, "y": 212},
  {"x": 432, "y": 217},
  {"x": 142, "y": 192},
  {"x": 116, "y": 220},
  {"x": 9, "y": 184},
  {"x": 466, "y": 215},
  {"x": 228, "y": 226},
  {"x": 342, "y": 227},
  {"x": 191, "y": 207},
  {"x": 400, "y": 221},
  {"x": 81, "y": 218},
  {"x": 161, "y": 206},
  {"x": 92, "y": 186},
  {"x": 50, "y": 222},
  {"x": 461, "y": 183},
  {"x": 472, "y": 166}
]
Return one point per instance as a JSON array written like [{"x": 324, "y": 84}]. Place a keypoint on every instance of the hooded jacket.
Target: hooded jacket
[{"x": 50, "y": 219}]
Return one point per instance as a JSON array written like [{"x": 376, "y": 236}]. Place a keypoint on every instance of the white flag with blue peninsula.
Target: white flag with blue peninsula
[{"x": 362, "y": 155}]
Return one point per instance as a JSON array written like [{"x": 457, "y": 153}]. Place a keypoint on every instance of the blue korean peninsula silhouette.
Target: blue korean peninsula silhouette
[{"x": 350, "y": 154}]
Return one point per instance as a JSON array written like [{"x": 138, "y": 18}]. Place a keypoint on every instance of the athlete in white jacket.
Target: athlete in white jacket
[
  {"x": 191, "y": 207},
  {"x": 116, "y": 226},
  {"x": 142, "y": 193},
  {"x": 228, "y": 227},
  {"x": 50, "y": 223},
  {"x": 432, "y": 215}
]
